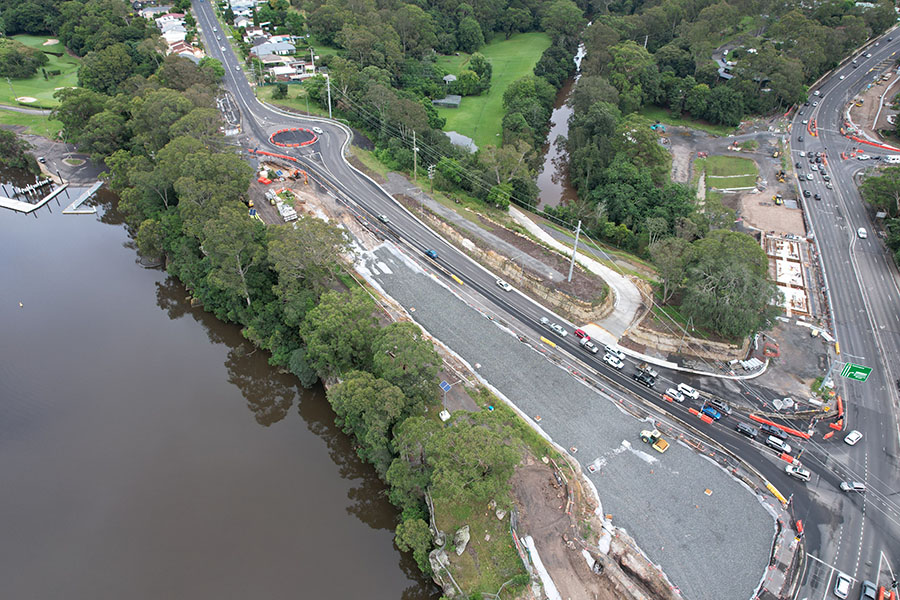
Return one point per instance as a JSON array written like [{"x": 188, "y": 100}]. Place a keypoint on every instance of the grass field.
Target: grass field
[
  {"x": 38, "y": 87},
  {"x": 35, "y": 124},
  {"x": 479, "y": 117},
  {"x": 296, "y": 99},
  {"x": 663, "y": 115},
  {"x": 730, "y": 165}
]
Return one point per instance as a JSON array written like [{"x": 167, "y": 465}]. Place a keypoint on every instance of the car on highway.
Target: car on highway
[
  {"x": 237, "y": 67},
  {"x": 868, "y": 56},
  {"x": 720, "y": 405},
  {"x": 853, "y": 486},
  {"x": 581, "y": 333},
  {"x": 807, "y": 193},
  {"x": 613, "y": 361},
  {"x": 842, "y": 586},
  {"x": 863, "y": 157},
  {"x": 817, "y": 93},
  {"x": 504, "y": 286},
  {"x": 798, "y": 165},
  {"x": 817, "y": 197},
  {"x": 798, "y": 472},
  {"x": 815, "y": 103},
  {"x": 826, "y": 178},
  {"x": 772, "y": 430},
  {"x": 675, "y": 395},
  {"x": 813, "y": 166},
  {"x": 805, "y": 121},
  {"x": 431, "y": 254},
  {"x": 748, "y": 430},
  {"x": 610, "y": 349},
  {"x": 317, "y": 130},
  {"x": 800, "y": 138},
  {"x": 776, "y": 443},
  {"x": 644, "y": 378},
  {"x": 588, "y": 345},
  {"x": 222, "y": 48},
  {"x": 384, "y": 219},
  {"x": 712, "y": 413},
  {"x": 868, "y": 591},
  {"x": 853, "y": 437},
  {"x": 828, "y": 185},
  {"x": 861, "y": 232},
  {"x": 559, "y": 330},
  {"x": 842, "y": 77},
  {"x": 688, "y": 391},
  {"x": 809, "y": 176}
]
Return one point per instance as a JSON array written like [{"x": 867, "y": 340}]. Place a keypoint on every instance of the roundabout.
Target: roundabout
[{"x": 295, "y": 137}]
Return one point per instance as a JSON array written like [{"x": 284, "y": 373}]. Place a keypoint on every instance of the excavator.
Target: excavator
[{"x": 654, "y": 438}]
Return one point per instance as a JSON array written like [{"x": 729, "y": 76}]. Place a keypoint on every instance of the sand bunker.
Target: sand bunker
[
  {"x": 26, "y": 99},
  {"x": 50, "y": 42}
]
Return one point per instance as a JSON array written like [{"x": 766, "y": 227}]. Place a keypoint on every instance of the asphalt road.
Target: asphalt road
[
  {"x": 325, "y": 159},
  {"x": 862, "y": 536}
]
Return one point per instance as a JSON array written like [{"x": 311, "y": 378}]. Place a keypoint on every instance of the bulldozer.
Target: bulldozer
[
  {"x": 778, "y": 199},
  {"x": 779, "y": 175},
  {"x": 654, "y": 438}
]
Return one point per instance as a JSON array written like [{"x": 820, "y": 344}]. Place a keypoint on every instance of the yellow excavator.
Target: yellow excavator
[{"x": 654, "y": 438}]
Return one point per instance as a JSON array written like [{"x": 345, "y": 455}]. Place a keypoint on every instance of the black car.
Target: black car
[
  {"x": 806, "y": 194},
  {"x": 644, "y": 378},
  {"x": 818, "y": 159},
  {"x": 747, "y": 430},
  {"x": 772, "y": 430},
  {"x": 798, "y": 165},
  {"x": 806, "y": 104},
  {"x": 800, "y": 138},
  {"x": 817, "y": 197}
]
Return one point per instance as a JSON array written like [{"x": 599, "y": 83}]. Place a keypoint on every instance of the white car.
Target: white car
[
  {"x": 688, "y": 391},
  {"x": 842, "y": 586},
  {"x": 798, "y": 472},
  {"x": 868, "y": 56},
  {"x": 805, "y": 121},
  {"x": 558, "y": 330},
  {"x": 237, "y": 67},
  {"x": 842, "y": 76},
  {"x": 222, "y": 48},
  {"x": 814, "y": 167},
  {"x": 612, "y": 361},
  {"x": 675, "y": 395},
  {"x": 828, "y": 185},
  {"x": 853, "y": 437},
  {"x": 504, "y": 286},
  {"x": 588, "y": 345},
  {"x": 815, "y": 103},
  {"x": 861, "y": 232},
  {"x": 853, "y": 486},
  {"x": 615, "y": 352},
  {"x": 809, "y": 176},
  {"x": 317, "y": 130},
  {"x": 779, "y": 444},
  {"x": 863, "y": 157}
]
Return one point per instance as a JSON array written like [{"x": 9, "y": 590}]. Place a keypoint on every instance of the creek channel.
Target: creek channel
[
  {"x": 148, "y": 451},
  {"x": 553, "y": 179}
]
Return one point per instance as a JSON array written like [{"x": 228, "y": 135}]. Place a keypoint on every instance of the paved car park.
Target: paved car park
[{"x": 687, "y": 514}]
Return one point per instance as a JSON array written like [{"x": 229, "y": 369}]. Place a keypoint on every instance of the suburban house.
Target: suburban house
[
  {"x": 243, "y": 21},
  {"x": 279, "y": 48}
]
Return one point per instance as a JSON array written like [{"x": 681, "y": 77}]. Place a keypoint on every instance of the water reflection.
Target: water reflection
[{"x": 269, "y": 395}]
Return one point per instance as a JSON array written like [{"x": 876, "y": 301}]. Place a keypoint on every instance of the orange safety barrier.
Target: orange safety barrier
[
  {"x": 786, "y": 457},
  {"x": 801, "y": 434},
  {"x": 668, "y": 398},
  {"x": 694, "y": 411},
  {"x": 882, "y": 146},
  {"x": 828, "y": 435},
  {"x": 838, "y": 425},
  {"x": 840, "y": 405},
  {"x": 706, "y": 418}
]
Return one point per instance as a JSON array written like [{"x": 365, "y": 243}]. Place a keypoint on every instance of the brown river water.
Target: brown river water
[{"x": 148, "y": 451}]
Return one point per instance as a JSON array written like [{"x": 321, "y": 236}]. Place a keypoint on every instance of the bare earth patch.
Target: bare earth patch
[
  {"x": 758, "y": 210},
  {"x": 50, "y": 42},
  {"x": 541, "y": 504},
  {"x": 27, "y": 99}
]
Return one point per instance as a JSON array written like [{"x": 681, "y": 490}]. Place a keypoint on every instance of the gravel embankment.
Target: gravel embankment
[{"x": 711, "y": 546}]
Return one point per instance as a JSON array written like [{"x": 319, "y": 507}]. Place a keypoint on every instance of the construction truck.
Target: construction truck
[
  {"x": 779, "y": 199},
  {"x": 779, "y": 175},
  {"x": 654, "y": 438}
]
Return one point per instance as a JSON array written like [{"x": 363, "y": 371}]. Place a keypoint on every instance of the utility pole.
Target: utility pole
[
  {"x": 431, "y": 176},
  {"x": 328, "y": 85},
  {"x": 574, "y": 250},
  {"x": 415, "y": 158},
  {"x": 646, "y": 37}
]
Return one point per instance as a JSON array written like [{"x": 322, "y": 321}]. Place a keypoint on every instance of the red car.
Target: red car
[{"x": 580, "y": 333}]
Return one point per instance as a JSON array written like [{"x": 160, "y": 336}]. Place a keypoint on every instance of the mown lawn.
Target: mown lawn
[
  {"x": 296, "y": 99},
  {"x": 665, "y": 116},
  {"x": 730, "y": 165},
  {"x": 34, "y": 124},
  {"x": 38, "y": 87},
  {"x": 479, "y": 117}
]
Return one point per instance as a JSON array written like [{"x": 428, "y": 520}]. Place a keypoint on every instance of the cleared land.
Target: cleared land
[
  {"x": 37, "y": 87},
  {"x": 665, "y": 116},
  {"x": 729, "y": 166},
  {"x": 479, "y": 117}
]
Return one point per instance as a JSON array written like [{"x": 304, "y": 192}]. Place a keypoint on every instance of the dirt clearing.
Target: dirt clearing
[{"x": 760, "y": 211}]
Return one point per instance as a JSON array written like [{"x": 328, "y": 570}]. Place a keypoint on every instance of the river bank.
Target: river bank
[{"x": 151, "y": 451}]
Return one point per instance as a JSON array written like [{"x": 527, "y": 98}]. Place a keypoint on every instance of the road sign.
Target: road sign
[
  {"x": 857, "y": 372},
  {"x": 445, "y": 386}
]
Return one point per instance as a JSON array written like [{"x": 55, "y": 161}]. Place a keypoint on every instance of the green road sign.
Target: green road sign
[{"x": 857, "y": 372}]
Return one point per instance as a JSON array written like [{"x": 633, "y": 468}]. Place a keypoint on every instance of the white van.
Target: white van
[
  {"x": 778, "y": 444},
  {"x": 894, "y": 159}
]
